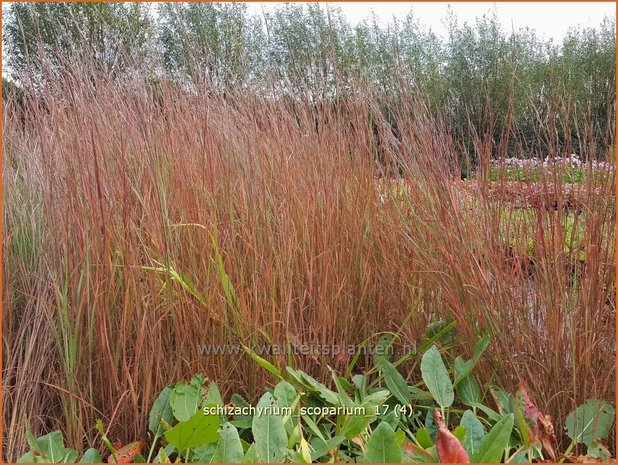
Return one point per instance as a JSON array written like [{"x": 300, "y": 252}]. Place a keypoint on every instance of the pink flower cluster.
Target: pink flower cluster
[{"x": 572, "y": 160}]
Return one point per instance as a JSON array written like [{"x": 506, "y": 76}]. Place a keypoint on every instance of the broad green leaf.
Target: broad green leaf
[
  {"x": 285, "y": 394},
  {"x": 29, "y": 457},
  {"x": 185, "y": 400},
  {"x": 591, "y": 421},
  {"x": 392, "y": 418},
  {"x": 243, "y": 423},
  {"x": 295, "y": 376},
  {"x": 460, "y": 433},
  {"x": 394, "y": 381},
  {"x": 320, "y": 447},
  {"x": 400, "y": 436},
  {"x": 329, "y": 396},
  {"x": 91, "y": 456},
  {"x": 467, "y": 387},
  {"x": 314, "y": 386},
  {"x": 204, "y": 453},
  {"x": 376, "y": 398},
  {"x": 160, "y": 409},
  {"x": 462, "y": 368},
  {"x": 71, "y": 456},
  {"x": 200, "y": 429},
  {"x": 382, "y": 446},
  {"x": 598, "y": 450},
  {"x": 469, "y": 391},
  {"x": 52, "y": 447},
  {"x": 419, "y": 395},
  {"x": 436, "y": 377},
  {"x": 213, "y": 396},
  {"x": 492, "y": 447},
  {"x": 287, "y": 398},
  {"x": 229, "y": 448},
  {"x": 356, "y": 424},
  {"x": 504, "y": 400},
  {"x": 474, "y": 429},
  {"x": 430, "y": 425},
  {"x": 423, "y": 438},
  {"x": 269, "y": 432},
  {"x": 360, "y": 381},
  {"x": 251, "y": 455}
]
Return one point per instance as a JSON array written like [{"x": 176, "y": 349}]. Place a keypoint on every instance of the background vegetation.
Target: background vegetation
[
  {"x": 203, "y": 176},
  {"x": 491, "y": 82}
]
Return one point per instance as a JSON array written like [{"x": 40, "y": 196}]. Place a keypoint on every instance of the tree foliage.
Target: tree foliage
[
  {"x": 42, "y": 38},
  {"x": 487, "y": 81}
]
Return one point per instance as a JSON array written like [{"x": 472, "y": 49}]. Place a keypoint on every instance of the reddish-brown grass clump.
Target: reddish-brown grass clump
[{"x": 140, "y": 225}]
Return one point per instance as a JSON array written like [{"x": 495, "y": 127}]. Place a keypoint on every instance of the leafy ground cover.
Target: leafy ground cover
[{"x": 442, "y": 414}]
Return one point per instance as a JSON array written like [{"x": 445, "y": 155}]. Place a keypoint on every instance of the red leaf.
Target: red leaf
[
  {"x": 449, "y": 448},
  {"x": 531, "y": 410},
  {"x": 127, "y": 453},
  {"x": 541, "y": 426}
]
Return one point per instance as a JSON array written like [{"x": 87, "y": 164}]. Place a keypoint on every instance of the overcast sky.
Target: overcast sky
[{"x": 549, "y": 19}]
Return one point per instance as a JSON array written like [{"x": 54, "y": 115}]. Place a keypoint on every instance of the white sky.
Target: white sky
[{"x": 549, "y": 19}]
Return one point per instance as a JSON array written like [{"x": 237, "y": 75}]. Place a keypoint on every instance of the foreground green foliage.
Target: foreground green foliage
[{"x": 376, "y": 417}]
